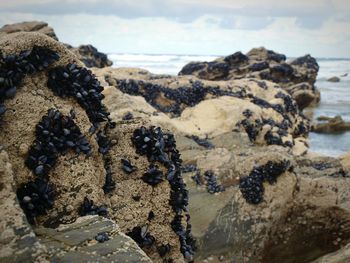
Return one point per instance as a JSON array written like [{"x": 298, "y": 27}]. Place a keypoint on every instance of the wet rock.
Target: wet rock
[
  {"x": 334, "y": 79},
  {"x": 330, "y": 125}
]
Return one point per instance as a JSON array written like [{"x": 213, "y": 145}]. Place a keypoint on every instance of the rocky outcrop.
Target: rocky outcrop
[
  {"x": 249, "y": 202},
  {"x": 90, "y": 169},
  {"x": 72, "y": 160},
  {"x": 88, "y": 54},
  {"x": 91, "y": 57},
  {"x": 188, "y": 105},
  {"x": 330, "y": 125},
  {"x": 297, "y": 76},
  {"x": 292, "y": 222},
  {"x": 32, "y": 26}
]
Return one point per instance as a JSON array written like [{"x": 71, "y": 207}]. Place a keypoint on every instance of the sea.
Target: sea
[{"x": 335, "y": 97}]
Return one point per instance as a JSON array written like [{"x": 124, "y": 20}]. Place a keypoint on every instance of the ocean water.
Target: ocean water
[
  {"x": 335, "y": 97},
  {"x": 335, "y": 100}
]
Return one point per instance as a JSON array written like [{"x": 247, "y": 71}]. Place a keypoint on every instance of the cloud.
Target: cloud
[
  {"x": 220, "y": 27},
  {"x": 253, "y": 14}
]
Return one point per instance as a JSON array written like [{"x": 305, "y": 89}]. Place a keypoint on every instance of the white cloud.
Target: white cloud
[{"x": 315, "y": 30}]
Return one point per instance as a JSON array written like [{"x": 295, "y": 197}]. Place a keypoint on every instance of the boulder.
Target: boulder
[
  {"x": 91, "y": 57},
  {"x": 71, "y": 160},
  {"x": 297, "y": 76},
  {"x": 330, "y": 125},
  {"x": 334, "y": 79},
  {"x": 32, "y": 26}
]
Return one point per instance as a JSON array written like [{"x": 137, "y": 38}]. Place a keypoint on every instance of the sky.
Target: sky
[{"x": 204, "y": 27}]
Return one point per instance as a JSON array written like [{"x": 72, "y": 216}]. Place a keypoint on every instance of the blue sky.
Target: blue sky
[{"x": 220, "y": 27}]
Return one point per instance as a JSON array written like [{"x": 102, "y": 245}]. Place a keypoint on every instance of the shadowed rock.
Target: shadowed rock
[{"x": 296, "y": 76}]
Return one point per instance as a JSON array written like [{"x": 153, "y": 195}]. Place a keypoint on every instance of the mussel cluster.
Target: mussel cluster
[
  {"x": 253, "y": 127},
  {"x": 186, "y": 95},
  {"x": 55, "y": 134},
  {"x": 80, "y": 84},
  {"x": 212, "y": 184},
  {"x": 13, "y": 69},
  {"x": 36, "y": 197},
  {"x": 252, "y": 187},
  {"x": 161, "y": 147},
  {"x": 289, "y": 104}
]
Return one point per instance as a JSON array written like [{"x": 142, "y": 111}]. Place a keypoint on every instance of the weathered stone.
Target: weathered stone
[
  {"x": 18, "y": 242},
  {"x": 330, "y": 125},
  {"x": 32, "y": 26}
]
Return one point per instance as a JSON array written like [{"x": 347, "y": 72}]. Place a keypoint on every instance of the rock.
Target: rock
[
  {"x": 91, "y": 57},
  {"x": 32, "y": 26},
  {"x": 340, "y": 256},
  {"x": 330, "y": 125},
  {"x": 17, "y": 239},
  {"x": 189, "y": 106},
  {"x": 345, "y": 161},
  {"x": 281, "y": 228},
  {"x": 76, "y": 242},
  {"x": 88, "y": 54},
  {"x": 61, "y": 177},
  {"x": 334, "y": 79},
  {"x": 297, "y": 76}
]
